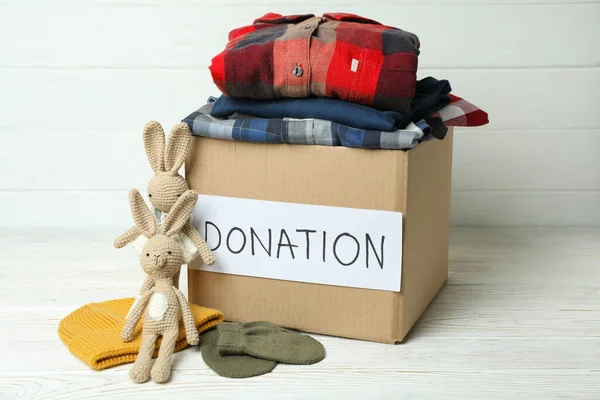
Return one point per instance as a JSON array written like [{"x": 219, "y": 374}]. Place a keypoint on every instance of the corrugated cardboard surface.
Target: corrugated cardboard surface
[
  {"x": 426, "y": 229},
  {"x": 331, "y": 176}
]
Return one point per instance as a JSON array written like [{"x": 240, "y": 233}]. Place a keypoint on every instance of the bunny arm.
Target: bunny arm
[
  {"x": 127, "y": 237},
  {"x": 176, "y": 279},
  {"x": 189, "y": 323},
  {"x": 149, "y": 282},
  {"x": 134, "y": 316},
  {"x": 147, "y": 285},
  {"x": 205, "y": 253}
]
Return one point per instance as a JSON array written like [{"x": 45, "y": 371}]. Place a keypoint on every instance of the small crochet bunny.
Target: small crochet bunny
[
  {"x": 164, "y": 304},
  {"x": 164, "y": 189}
]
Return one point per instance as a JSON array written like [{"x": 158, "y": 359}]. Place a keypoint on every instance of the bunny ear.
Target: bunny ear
[
  {"x": 154, "y": 143},
  {"x": 180, "y": 213},
  {"x": 177, "y": 147},
  {"x": 144, "y": 220}
]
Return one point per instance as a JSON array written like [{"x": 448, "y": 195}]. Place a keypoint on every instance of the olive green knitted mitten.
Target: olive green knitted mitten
[
  {"x": 267, "y": 341},
  {"x": 233, "y": 366}
]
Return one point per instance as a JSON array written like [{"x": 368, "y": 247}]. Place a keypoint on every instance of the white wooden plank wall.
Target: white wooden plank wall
[{"x": 79, "y": 78}]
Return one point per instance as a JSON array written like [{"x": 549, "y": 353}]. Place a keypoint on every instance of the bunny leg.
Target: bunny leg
[
  {"x": 143, "y": 363},
  {"x": 162, "y": 367}
]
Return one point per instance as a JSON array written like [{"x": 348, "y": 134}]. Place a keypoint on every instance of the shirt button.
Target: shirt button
[
  {"x": 307, "y": 27},
  {"x": 297, "y": 71}
]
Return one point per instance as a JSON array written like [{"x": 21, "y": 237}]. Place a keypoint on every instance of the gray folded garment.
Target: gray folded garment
[{"x": 301, "y": 131}]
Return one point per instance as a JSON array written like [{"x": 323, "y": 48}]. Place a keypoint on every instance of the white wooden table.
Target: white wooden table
[{"x": 519, "y": 318}]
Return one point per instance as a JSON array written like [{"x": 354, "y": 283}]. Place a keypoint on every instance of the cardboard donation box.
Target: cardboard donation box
[{"x": 332, "y": 240}]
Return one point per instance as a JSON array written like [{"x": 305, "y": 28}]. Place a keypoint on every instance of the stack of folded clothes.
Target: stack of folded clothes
[{"x": 335, "y": 80}]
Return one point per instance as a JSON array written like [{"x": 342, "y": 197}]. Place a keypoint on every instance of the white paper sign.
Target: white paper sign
[{"x": 304, "y": 243}]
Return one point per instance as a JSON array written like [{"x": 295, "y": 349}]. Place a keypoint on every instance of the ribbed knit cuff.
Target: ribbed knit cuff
[{"x": 230, "y": 338}]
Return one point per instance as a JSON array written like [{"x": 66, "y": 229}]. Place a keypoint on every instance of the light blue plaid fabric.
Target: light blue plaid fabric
[{"x": 301, "y": 131}]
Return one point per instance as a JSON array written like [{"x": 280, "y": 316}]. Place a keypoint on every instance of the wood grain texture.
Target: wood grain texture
[
  {"x": 519, "y": 318},
  {"x": 518, "y": 160},
  {"x": 526, "y": 208},
  {"x": 59, "y": 168}
]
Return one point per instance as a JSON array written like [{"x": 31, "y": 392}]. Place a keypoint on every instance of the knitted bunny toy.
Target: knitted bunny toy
[
  {"x": 164, "y": 189},
  {"x": 162, "y": 257}
]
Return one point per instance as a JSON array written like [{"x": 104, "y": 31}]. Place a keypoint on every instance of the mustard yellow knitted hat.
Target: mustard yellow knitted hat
[{"x": 92, "y": 332}]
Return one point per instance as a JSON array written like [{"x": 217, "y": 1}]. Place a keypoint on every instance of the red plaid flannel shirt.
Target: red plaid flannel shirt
[
  {"x": 461, "y": 113},
  {"x": 342, "y": 56}
]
